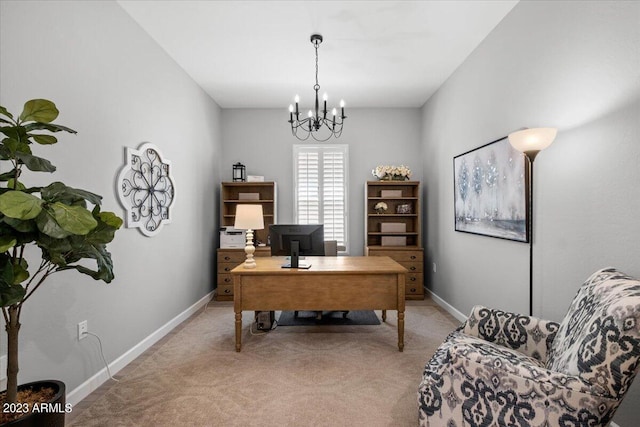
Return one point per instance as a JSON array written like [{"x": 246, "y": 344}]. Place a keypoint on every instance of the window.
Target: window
[{"x": 320, "y": 189}]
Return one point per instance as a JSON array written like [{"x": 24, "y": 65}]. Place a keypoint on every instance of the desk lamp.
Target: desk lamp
[{"x": 249, "y": 217}]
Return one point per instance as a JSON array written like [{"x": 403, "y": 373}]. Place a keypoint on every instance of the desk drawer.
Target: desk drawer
[{"x": 411, "y": 256}]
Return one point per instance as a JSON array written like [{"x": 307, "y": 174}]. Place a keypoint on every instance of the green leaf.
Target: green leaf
[
  {"x": 36, "y": 164},
  {"x": 5, "y": 113},
  {"x": 111, "y": 219},
  {"x": 48, "y": 225},
  {"x": 55, "y": 250},
  {"x": 103, "y": 260},
  {"x": 16, "y": 185},
  {"x": 108, "y": 224},
  {"x": 14, "y": 146},
  {"x": 45, "y": 139},
  {"x": 11, "y": 294},
  {"x": 39, "y": 110},
  {"x": 8, "y": 175},
  {"x": 58, "y": 192},
  {"x": 74, "y": 219},
  {"x": 47, "y": 126},
  {"x": 20, "y": 272},
  {"x": 20, "y": 205},
  {"x": 16, "y": 132},
  {"x": 23, "y": 226},
  {"x": 7, "y": 242}
]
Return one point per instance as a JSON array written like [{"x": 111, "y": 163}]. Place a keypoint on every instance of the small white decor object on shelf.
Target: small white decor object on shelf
[
  {"x": 381, "y": 207},
  {"x": 392, "y": 173}
]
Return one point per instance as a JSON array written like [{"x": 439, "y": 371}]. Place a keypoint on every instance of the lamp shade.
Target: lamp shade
[
  {"x": 532, "y": 140},
  {"x": 249, "y": 217}
]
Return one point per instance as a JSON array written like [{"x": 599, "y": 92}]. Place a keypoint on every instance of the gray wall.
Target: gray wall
[
  {"x": 570, "y": 65},
  {"x": 117, "y": 88},
  {"x": 261, "y": 139}
]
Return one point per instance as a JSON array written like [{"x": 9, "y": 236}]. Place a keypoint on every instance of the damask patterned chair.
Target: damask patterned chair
[{"x": 505, "y": 369}]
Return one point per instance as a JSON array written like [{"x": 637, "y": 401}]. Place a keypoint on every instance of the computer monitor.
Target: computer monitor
[{"x": 295, "y": 240}]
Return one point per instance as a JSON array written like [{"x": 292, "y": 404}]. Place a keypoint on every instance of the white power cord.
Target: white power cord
[{"x": 102, "y": 354}]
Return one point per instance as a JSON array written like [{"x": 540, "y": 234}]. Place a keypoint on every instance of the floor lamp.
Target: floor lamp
[
  {"x": 531, "y": 142},
  {"x": 249, "y": 217}
]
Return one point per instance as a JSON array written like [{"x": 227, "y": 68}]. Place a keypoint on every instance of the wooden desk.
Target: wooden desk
[{"x": 332, "y": 283}]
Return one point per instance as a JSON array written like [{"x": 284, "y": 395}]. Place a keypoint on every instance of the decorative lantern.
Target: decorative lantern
[{"x": 239, "y": 172}]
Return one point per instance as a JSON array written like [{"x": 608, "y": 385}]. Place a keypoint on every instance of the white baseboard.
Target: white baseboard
[
  {"x": 448, "y": 307},
  {"x": 84, "y": 389}
]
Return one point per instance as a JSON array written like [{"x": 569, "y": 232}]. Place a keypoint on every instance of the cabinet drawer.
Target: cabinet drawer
[
  {"x": 412, "y": 267},
  {"x": 226, "y": 267},
  {"x": 225, "y": 290},
  {"x": 234, "y": 257},
  {"x": 414, "y": 279},
  {"x": 399, "y": 255},
  {"x": 225, "y": 279},
  {"x": 413, "y": 290}
]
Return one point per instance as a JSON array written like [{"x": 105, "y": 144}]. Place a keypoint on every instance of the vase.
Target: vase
[{"x": 393, "y": 178}]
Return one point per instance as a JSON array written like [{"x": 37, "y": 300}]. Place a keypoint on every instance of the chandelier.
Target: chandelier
[{"x": 316, "y": 124}]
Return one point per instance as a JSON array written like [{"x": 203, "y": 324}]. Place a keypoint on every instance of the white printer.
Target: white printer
[{"x": 232, "y": 238}]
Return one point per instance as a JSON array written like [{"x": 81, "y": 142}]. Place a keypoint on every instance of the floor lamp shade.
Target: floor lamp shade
[
  {"x": 249, "y": 217},
  {"x": 532, "y": 141}
]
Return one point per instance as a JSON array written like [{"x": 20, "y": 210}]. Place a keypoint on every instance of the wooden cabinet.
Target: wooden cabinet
[
  {"x": 227, "y": 260},
  {"x": 395, "y": 231},
  {"x": 235, "y": 193},
  {"x": 232, "y": 194}
]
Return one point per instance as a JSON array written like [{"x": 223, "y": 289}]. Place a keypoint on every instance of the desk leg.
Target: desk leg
[
  {"x": 384, "y": 315},
  {"x": 400, "y": 330},
  {"x": 238, "y": 330}
]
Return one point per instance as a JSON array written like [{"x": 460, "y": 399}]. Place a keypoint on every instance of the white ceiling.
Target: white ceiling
[{"x": 257, "y": 54}]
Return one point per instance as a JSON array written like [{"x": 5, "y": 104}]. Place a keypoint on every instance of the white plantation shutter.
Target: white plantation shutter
[{"x": 320, "y": 185}]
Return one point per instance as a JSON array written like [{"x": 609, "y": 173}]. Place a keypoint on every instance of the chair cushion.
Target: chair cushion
[{"x": 599, "y": 338}]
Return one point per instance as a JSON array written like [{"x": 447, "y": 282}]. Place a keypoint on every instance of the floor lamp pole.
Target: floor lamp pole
[{"x": 530, "y": 234}]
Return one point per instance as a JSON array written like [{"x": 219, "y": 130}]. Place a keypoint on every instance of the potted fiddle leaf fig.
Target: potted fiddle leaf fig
[{"x": 44, "y": 230}]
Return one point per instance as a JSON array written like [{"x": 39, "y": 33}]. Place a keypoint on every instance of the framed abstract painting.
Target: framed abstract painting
[{"x": 491, "y": 196}]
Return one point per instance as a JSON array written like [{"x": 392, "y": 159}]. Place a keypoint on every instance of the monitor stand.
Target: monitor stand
[{"x": 295, "y": 257}]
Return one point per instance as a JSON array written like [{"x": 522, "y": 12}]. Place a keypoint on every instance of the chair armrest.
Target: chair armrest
[
  {"x": 468, "y": 376},
  {"x": 527, "y": 334}
]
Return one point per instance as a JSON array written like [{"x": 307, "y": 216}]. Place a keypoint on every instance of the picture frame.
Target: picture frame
[{"x": 491, "y": 192}]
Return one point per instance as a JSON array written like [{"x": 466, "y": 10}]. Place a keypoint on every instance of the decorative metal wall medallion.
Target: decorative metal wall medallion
[{"x": 145, "y": 189}]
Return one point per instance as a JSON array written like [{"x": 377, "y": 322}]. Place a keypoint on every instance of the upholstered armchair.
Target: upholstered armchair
[{"x": 505, "y": 369}]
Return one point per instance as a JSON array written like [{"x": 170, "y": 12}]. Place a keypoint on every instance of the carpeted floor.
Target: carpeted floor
[{"x": 314, "y": 376}]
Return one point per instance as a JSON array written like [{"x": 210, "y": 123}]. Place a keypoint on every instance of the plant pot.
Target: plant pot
[{"x": 52, "y": 415}]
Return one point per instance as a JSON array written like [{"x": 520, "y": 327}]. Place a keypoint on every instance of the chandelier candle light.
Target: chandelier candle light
[{"x": 316, "y": 124}]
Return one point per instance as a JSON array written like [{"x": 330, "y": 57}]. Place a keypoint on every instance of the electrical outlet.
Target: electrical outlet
[
  {"x": 434, "y": 267},
  {"x": 83, "y": 328}
]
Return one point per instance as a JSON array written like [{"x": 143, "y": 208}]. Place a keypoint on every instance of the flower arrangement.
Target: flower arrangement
[
  {"x": 381, "y": 207},
  {"x": 388, "y": 173}
]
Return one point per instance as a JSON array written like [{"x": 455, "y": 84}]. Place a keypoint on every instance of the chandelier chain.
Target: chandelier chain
[
  {"x": 321, "y": 124},
  {"x": 317, "y": 86}
]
